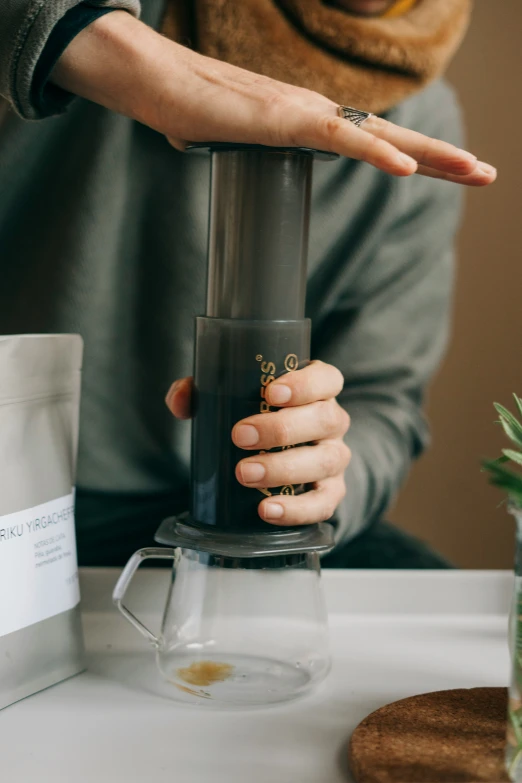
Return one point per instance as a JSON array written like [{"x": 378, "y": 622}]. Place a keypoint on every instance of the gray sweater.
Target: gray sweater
[{"x": 103, "y": 231}]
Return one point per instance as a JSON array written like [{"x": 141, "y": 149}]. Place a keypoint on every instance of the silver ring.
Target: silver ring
[{"x": 356, "y": 116}]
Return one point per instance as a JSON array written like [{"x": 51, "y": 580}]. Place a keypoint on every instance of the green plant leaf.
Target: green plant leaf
[
  {"x": 499, "y": 460},
  {"x": 513, "y": 767},
  {"x": 505, "y": 479},
  {"x": 499, "y": 471},
  {"x": 510, "y": 424},
  {"x": 516, "y": 726},
  {"x": 518, "y": 403},
  {"x": 514, "y": 456}
]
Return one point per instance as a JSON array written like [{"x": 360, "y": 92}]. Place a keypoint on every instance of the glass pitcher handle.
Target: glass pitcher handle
[{"x": 122, "y": 585}]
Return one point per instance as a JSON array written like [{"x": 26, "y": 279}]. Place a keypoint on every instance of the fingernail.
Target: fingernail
[
  {"x": 273, "y": 510},
  {"x": 279, "y": 393},
  {"x": 171, "y": 392},
  {"x": 251, "y": 472},
  {"x": 405, "y": 160},
  {"x": 246, "y": 435},
  {"x": 485, "y": 168}
]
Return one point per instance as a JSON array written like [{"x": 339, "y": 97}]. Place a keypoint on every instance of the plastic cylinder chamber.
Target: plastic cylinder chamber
[{"x": 253, "y": 331}]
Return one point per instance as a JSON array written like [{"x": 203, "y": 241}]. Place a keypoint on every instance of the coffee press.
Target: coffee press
[{"x": 245, "y": 622}]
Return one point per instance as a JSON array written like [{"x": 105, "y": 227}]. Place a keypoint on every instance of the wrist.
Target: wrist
[{"x": 122, "y": 64}]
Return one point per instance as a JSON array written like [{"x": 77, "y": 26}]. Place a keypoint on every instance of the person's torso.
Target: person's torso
[{"x": 103, "y": 232}]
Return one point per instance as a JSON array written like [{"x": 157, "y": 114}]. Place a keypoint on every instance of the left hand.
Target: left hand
[
  {"x": 309, "y": 414},
  {"x": 124, "y": 65}
]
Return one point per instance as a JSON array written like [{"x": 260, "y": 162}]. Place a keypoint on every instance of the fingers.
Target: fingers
[
  {"x": 335, "y": 134},
  {"x": 386, "y": 146},
  {"x": 317, "y": 381},
  {"x": 291, "y": 426},
  {"x": 395, "y": 150},
  {"x": 317, "y": 505},
  {"x": 322, "y": 465},
  {"x": 483, "y": 174},
  {"x": 303, "y": 465},
  {"x": 179, "y": 398},
  {"x": 426, "y": 151}
]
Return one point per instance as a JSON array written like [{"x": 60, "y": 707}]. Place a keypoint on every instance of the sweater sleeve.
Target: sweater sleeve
[
  {"x": 25, "y": 27},
  {"x": 387, "y": 334},
  {"x": 46, "y": 97}
]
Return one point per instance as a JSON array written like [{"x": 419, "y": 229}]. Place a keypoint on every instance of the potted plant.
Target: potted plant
[{"x": 503, "y": 473}]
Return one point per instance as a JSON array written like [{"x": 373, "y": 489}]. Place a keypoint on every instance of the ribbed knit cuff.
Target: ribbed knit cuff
[
  {"x": 33, "y": 23},
  {"x": 47, "y": 98}
]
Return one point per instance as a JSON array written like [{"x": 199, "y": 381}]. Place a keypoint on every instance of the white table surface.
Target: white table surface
[{"x": 394, "y": 634}]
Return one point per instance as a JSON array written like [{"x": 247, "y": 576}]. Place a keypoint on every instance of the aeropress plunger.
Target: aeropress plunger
[{"x": 245, "y": 621}]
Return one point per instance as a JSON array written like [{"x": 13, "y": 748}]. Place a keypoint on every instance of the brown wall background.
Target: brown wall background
[{"x": 447, "y": 500}]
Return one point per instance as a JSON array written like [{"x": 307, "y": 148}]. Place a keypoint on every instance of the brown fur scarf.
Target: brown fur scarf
[{"x": 370, "y": 63}]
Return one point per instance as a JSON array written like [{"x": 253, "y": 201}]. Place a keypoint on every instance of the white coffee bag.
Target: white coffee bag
[{"x": 40, "y": 630}]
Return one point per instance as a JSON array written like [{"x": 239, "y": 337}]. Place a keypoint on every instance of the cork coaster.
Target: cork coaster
[{"x": 443, "y": 737}]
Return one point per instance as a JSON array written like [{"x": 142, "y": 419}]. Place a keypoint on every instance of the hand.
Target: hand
[
  {"x": 309, "y": 414},
  {"x": 126, "y": 66}
]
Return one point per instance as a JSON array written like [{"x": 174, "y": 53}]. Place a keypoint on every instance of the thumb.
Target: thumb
[{"x": 179, "y": 398}]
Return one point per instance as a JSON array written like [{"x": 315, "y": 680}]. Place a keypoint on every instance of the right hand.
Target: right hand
[
  {"x": 126, "y": 66},
  {"x": 308, "y": 414}
]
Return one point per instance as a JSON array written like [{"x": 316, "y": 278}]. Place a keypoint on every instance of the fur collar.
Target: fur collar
[{"x": 370, "y": 63}]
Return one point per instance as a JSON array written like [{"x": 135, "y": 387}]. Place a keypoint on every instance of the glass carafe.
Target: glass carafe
[{"x": 238, "y": 631}]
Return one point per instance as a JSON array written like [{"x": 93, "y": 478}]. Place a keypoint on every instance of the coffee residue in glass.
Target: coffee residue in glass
[{"x": 204, "y": 673}]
